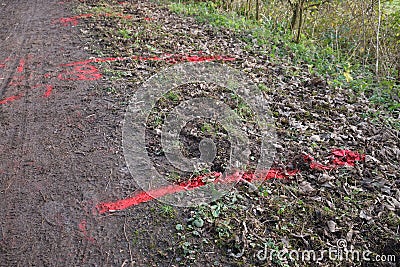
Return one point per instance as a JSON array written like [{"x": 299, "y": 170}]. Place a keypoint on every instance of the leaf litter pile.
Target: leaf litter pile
[{"x": 310, "y": 210}]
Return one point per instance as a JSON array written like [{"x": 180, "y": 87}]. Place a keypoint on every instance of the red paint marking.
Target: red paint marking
[
  {"x": 83, "y": 72},
  {"x": 346, "y": 157},
  {"x": 3, "y": 63},
  {"x": 167, "y": 58},
  {"x": 49, "y": 90},
  {"x": 69, "y": 21},
  {"x": 340, "y": 158},
  {"x": 189, "y": 185},
  {"x": 73, "y": 21},
  {"x": 83, "y": 228},
  {"x": 10, "y": 99},
  {"x": 148, "y": 19},
  {"x": 21, "y": 65},
  {"x": 125, "y": 16}
]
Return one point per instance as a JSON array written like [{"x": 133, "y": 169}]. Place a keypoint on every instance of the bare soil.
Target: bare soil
[{"x": 61, "y": 154}]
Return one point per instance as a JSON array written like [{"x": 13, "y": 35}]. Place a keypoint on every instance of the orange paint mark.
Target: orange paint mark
[
  {"x": 3, "y": 63},
  {"x": 21, "y": 65},
  {"x": 49, "y": 90},
  {"x": 82, "y": 226},
  {"x": 83, "y": 72},
  {"x": 72, "y": 21},
  {"x": 10, "y": 99},
  {"x": 339, "y": 158},
  {"x": 189, "y": 185}
]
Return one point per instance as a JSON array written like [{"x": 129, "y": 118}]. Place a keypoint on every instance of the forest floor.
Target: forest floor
[{"x": 68, "y": 71}]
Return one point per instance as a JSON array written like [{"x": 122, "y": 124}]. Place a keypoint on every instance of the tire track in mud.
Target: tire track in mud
[
  {"x": 29, "y": 191},
  {"x": 13, "y": 39},
  {"x": 14, "y": 242},
  {"x": 13, "y": 45},
  {"x": 16, "y": 40}
]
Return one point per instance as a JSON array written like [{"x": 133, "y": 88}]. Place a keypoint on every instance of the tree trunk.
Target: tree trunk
[
  {"x": 294, "y": 16},
  {"x": 257, "y": 10},
  {"x": 300, "y": 24}
]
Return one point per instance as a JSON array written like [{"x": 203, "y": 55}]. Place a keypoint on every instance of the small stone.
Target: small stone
[
  {"x": 315, "y": 138},
  {"x": 364, "y": 215},
  {"x": 332, "y": 226}
]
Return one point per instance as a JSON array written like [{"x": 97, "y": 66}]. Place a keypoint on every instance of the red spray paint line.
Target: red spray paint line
[
  {"x": 75, "y": 19},
  {"x": 10, "y": 99},
  {"x": 82, "y": 72},
  {"x": 69, "y": 21},
  {"x": 190, "y": 185},
  {"x": 3, "y": 63},
  {"x": 167, "y": 58},
  {"x": 83, "y": 228},
  {"x": 48, "y": 87},
  {"x": 339, "y": 158},
  {"x": 72, "y": 20},
  {"x": 21, "y": 65}
]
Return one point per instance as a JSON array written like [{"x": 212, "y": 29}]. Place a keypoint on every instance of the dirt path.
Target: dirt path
[
  {"x": 58, "y": 146},
  {"x": 41, "y": 177}
]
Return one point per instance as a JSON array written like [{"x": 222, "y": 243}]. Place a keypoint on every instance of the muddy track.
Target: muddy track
[
  {"x": 22, "y": 149},
  {"x": 60, "y": 152},
  {"x": 48, "y": 180}
]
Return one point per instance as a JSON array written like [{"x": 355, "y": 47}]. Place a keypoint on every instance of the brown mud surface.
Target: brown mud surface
[{"x": 60, "y": 153}]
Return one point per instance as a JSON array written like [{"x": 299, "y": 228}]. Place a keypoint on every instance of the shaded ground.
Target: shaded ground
[{"x": 61, "y": 148}]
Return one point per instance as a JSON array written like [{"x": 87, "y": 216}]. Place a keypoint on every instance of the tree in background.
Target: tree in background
[{"x": 367, "y": 31}]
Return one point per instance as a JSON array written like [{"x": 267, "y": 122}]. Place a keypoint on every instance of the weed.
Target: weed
[
  {"x": 174, "y": 177},
  {"x": 125, "y": 34},
  {"x": 206, "y": 128},
  {"x": 173, "y": 96},
  {"x": 168, "y": 211}
]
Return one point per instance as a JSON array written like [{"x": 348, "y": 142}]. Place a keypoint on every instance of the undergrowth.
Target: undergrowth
[{"x": 275, "y": 40}]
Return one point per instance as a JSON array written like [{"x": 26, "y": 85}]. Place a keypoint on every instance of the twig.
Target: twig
[
  {"x": 129, "y": 244},
  {"x": 377, "y": 38}
]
